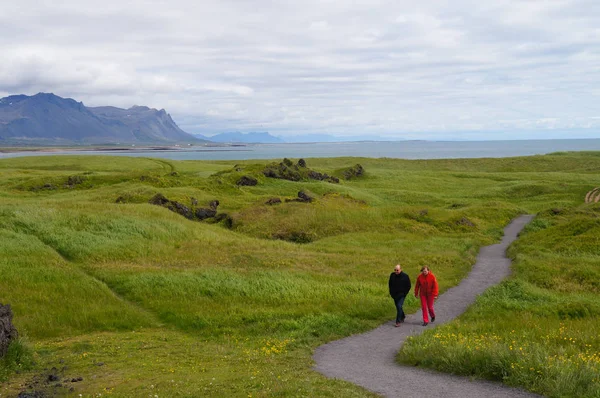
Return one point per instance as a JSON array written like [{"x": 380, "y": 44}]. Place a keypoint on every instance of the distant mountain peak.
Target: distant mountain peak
[
  {"x": 140, "y": 108},
  {"x": 251, "y": 137},
  {"x": 46, "y": 118}
]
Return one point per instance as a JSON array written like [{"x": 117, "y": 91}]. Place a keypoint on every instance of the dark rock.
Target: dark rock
[
  {"x": 194, "y": 201},
  {"x": 180, "y": 208},
  {"x": 287, "y": 162},
  {"x": 247, "y": 181},
  {"x": 203, "y": 213},
  {"x": 305, "y": 197},
  {"x": 53, "y": 377},
  {"x": 159, "y": 199},
  {"x": 282, "y": 171},
  {"x": 100, "y": 364},
  {"x": 273, "y": 201},
  {"x": 333, "y": 179},
  {"x": 8, "y": 332},
  {"x": 270, "y": 173},
  {"x": 356, "y": 171},
  {"x": 556, "y": 211},
  {"x": 120, "y": 199},
  {"x": 174, "y": 174},
  {"x": 315, "y": 175},
  {"x": 301, "y": 163}
]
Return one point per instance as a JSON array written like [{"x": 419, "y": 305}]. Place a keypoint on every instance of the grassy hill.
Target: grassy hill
[{"x": 137, "y": 300}]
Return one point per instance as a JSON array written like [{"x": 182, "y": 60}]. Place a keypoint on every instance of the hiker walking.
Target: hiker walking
[
  {"x": 427, "y": 288},
  {"x": 399, "y": 285}
]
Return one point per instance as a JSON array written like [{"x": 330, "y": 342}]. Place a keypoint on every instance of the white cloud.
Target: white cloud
[{"x": 386, "y": 67}]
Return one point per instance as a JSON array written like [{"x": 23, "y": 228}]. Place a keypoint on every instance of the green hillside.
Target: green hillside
[{"x": 137, "y": 300}]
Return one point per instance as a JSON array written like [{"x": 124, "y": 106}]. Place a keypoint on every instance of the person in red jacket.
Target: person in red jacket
[{"x": 427, "y": 288}]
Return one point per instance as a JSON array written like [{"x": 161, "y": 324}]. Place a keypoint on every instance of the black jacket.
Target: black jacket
[{"x": 399, "y": 285}]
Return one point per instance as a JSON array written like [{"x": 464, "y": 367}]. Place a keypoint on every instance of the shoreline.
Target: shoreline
[{"x": 151, "y": 148}]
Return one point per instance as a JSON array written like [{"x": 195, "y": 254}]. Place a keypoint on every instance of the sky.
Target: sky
[{"x": 472, "y": 70}]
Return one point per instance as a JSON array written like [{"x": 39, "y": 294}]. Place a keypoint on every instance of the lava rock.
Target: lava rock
[
  {"x": 247, "y": 181},
  {"x": 8, "y": 332},
  {"x": 273, "y": 201}
]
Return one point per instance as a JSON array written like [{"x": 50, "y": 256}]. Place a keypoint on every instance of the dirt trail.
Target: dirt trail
[{"x": 368, "y": 359}]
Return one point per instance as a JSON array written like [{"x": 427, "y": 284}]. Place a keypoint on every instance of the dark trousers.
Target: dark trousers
[{"x": 399, "y": 301}]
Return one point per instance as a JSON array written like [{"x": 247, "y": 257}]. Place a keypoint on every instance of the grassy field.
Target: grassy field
[{"x": 136, "y": 300}]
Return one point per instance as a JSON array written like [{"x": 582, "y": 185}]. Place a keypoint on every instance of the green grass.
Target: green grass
[
  {"x": 139, "y": 301},
  {"x": 539, "y": 329}
]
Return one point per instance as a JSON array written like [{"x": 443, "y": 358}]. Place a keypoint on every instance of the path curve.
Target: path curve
[{"x": 368, "y": 359}]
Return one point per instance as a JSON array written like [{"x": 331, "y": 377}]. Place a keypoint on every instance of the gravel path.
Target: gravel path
[{"x": 368, "y": 359}]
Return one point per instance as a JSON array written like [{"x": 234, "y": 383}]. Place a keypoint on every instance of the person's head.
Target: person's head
[
  {"x": 425, "y": 270},
  {"x": 398, "y": 268}
]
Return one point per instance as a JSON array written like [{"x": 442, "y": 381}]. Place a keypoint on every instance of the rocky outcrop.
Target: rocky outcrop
[
  {"x": 284, "y": 170},
  {"x": 287, "y": 170},
  {"x": 8, "y": 332},
  {"x": 302, "y": 197},
  {"x": 204, "y": 213},
  {"x": 352, "y": 172},
  {"x": 194, "y": 213},
  {"x": 273, "y": 201},
  {"x": 247, "y": 181},
  {"x": 315, "y": 175}
]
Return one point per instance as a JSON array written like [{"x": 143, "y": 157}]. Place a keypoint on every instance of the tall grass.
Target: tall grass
[
  {"x": 173, "y": 307},
  {"x": 539, "y": 329}
]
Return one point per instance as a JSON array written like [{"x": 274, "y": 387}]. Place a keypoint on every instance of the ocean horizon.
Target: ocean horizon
[{"x": 415, "y": 149}]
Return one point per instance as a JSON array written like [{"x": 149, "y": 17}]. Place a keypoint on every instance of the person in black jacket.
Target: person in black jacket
[{"x": 399, "y": 287}]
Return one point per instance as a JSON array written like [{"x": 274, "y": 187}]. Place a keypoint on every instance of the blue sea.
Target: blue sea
[{"x": 371, "y": 149}]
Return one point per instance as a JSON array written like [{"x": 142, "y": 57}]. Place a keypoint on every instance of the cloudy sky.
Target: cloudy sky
[{"x": 493, "y": 69}]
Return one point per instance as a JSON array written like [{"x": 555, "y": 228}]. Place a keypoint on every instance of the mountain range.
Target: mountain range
[
  {"x": 249, "y": 138},
  {"x": 47, "y": 119},
  {"x": 267, "y": 138}
]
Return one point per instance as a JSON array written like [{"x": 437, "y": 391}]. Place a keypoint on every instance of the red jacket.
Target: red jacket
[{"x": 426, "y": 285}]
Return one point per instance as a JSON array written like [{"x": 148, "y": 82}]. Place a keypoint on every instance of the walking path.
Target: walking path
[{"x": 368, "y": 359}]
